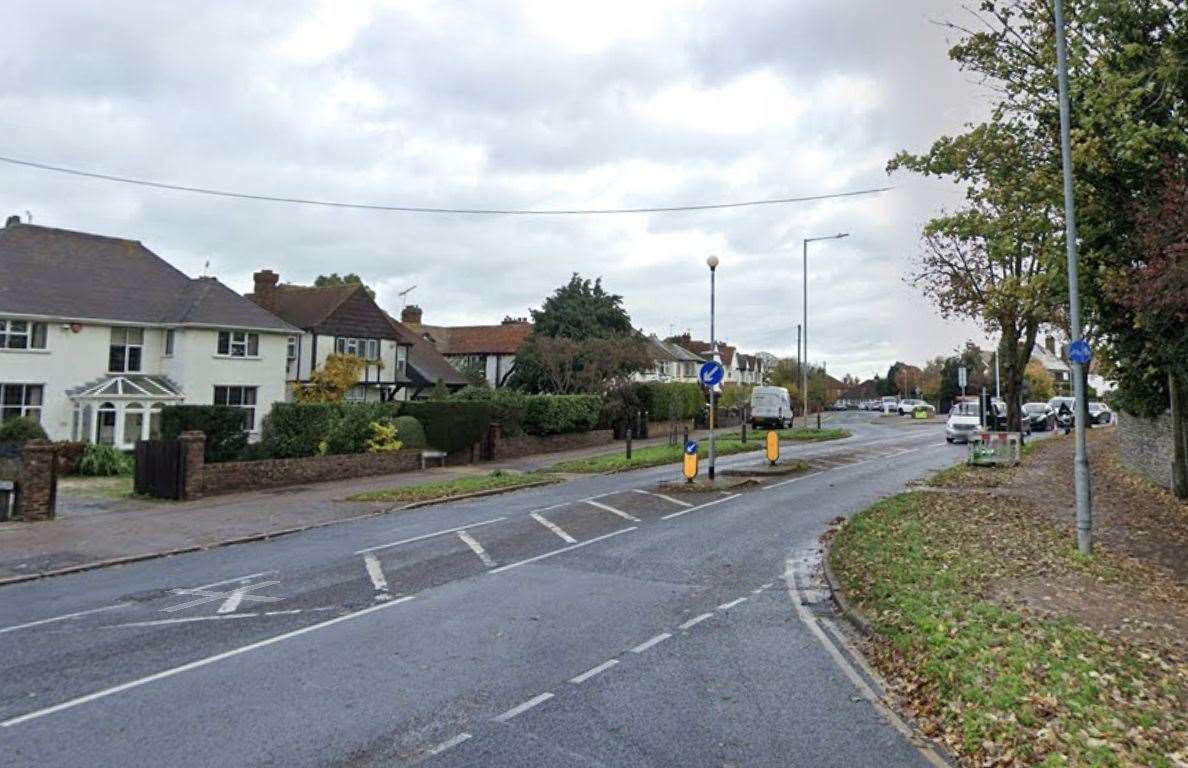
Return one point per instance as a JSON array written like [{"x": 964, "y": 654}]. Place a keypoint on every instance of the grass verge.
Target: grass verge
[
  {"x": 441, "y": 489},
  {"x": 1003, "y": 685},
  {"x": 113, "y": 487}
]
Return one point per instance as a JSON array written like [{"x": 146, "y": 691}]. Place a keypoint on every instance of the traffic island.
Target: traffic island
[
  {"x": 767, "y": 470},
  {"x": 1003, "y": 642},
  {"x": 704, "y": 485}
]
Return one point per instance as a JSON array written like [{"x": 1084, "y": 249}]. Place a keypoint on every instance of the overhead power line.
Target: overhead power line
[{"x": 427, "y": 209}]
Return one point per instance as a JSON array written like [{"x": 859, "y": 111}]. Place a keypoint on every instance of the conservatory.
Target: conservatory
[{"x": 121, "y": 409}]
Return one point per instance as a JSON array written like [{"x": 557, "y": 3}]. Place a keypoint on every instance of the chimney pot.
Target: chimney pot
[
  {"x": 265, "y": 288},
  {"x": 411, "y": 314},
  {"x": 14, "y": 219}
]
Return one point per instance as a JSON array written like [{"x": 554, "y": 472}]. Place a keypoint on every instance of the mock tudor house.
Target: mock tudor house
[
  {"x": 487, "y": 348},
  {"x": 98, "y": 334}
]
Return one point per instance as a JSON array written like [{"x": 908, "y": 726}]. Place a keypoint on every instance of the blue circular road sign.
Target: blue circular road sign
[
  {"x": 1079, "y": 352},
  {"x": 711, "y": 373},
  {"x": 691, "y": 447}
]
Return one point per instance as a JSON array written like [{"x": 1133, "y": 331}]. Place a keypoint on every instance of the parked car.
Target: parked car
[
  {"x": 907, "y": 407},
  {"x": 888, "y": 404},
  {"x": 1100, "y": 413},
  {"x": 964, "y": 421},
  {"x": 1041, "y": 416},
  {"x": 770, "y": 407}
]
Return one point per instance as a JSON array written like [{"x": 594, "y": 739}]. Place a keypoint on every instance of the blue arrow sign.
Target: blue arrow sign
[
  {"x": 711, "y": 373},
  {"x": 1079, "y": 352},
  {"x": 691, "y": 447}
]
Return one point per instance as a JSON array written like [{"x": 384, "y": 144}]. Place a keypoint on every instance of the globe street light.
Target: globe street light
[
  {"x": 804, "y": 359},
  {"x": 712, "y": 263}
]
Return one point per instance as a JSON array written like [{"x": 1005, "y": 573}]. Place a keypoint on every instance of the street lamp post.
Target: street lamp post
[
  {"x": 804, "y": 358},
  {"x": 712, "y": 262}
]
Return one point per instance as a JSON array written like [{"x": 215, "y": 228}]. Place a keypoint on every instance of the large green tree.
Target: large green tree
[{"x": 349, "y": 278}]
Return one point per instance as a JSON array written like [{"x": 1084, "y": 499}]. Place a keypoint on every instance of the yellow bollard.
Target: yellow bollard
[
  {"x": 689, "y": 466},
  {"x": 773, "y": 446}
]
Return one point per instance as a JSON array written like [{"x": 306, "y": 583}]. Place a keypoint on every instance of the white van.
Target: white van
[{"x": 770, "y": 406}]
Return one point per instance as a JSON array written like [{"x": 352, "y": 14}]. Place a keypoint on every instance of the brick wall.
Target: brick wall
[
  {"x": 1146, "y": 445},
  {"x": 231, "y": 476},
  {"x": 526, "y": 445},
  {"x": 37, "y": 483}
]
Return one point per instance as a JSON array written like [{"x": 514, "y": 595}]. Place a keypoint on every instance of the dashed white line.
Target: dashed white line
[
  {"x": 237, "y": 578},
  {"x": 199, "y": 663},
  {"x": 696, "y": 620},
  {"x": 520, "y": 709},
  {"x": 678, "y": 502},
  {"x": 700, "y": 506},
  {"x": 429, "y": 535},
  {"x": 64, "y": 617},
  {"x": 583, "y": 677},
  {"x": 793, "y": 480},
  {"x": 585, "y": 543},
  {"x": 448, "y": 744},
  {"x": 732, "y": 603},
  {"x": 553, "y": 527},
  {"x": 646, "y": 644},
  {"x": 476, "y": 548},
  {"x": 612, "y": 510},
  {"x": 376, "y": 572}
]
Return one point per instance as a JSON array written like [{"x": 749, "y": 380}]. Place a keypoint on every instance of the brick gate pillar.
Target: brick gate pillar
[
  {"x": 193, "y": 456},
  {"x": 38, "y": 482}
]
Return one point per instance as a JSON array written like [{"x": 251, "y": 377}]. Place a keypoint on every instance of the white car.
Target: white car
[
  {"x": 907, "y": 406},
  {"x": 964, "y": 420}
]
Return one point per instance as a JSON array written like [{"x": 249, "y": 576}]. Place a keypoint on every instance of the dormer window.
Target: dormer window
[{"x": 239, "y": 344}]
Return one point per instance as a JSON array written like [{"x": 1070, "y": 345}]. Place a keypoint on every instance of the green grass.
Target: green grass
[
  {"x": 442, "y": 489},
  {"x": 114, "y": 487},
  {"x": 995, "y": 680},
  {"x": 811, "y": 435}
]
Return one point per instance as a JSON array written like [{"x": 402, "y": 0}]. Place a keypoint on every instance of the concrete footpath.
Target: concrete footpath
[{"x": 119, "y": 531}]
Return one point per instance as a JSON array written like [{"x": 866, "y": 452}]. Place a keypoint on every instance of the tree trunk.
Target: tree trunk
[{"x": 1179, "y": 401}]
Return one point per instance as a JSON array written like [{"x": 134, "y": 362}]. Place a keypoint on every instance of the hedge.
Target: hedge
[
  {"x": 293, "y": 430},
  {"x": 223, "y": 425},
  {"x": 21, "y": 430},
  {"x": 450, "y": 425},
  {"x": 351, "y": 429},
  {"x": 557, "y": 414},
  {"x": 673, "y": 400},
  {"x": 410, "y": 432},
  {"x": 507, "y": 405}
]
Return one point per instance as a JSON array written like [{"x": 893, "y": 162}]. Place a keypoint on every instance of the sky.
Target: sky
[{"x": 526, "y": 105}]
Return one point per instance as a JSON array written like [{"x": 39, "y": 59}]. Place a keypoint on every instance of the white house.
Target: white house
[
  {"x": 97, "y": 334},
  {"x": 670, "y": 362}
]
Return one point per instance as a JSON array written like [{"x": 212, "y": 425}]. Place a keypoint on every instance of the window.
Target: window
[
  {"x": 21, "y": 334},
  {"x": 239, "y": 344},
  {"x": 127, "y": 345},
  {"x": 133, "y": 422},
  {"x": 367, "y": 349},
  {"x": 107, "y": 424},
  {"x": 239, "y": 397},
  {"x": 291, "y": 349},
  {"x": 401, "y": 358},
  {"x": 18, "y": 400},
  {"x": 169, "y": 342},
  {"x": 155, "y": 422}
]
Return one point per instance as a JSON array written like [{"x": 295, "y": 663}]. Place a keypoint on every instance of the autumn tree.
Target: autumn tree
[
  {"x": 331, "y": 382},
  {"x": 1038, "y": 383}
]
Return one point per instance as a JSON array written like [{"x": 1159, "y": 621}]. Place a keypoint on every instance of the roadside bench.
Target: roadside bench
[{"x": 432, "y": 453}]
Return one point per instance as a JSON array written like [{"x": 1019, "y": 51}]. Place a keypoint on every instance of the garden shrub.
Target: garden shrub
[
  {"x": 671, "y": 400},
  {"x": 383, "y": 437},
  {"x": 507, "y": 405},
  {"x": 103, "y": 461},
  {"x": 410, "y": 432},
  {"x": 450, "y": 425},
  {"x": 292, "y": 430},
  {"x": 558, "y": 414},
  {"x": 21, "y": 430},
  {"x": 222, "y": 424},
  {"x": 350, "y": 428}
]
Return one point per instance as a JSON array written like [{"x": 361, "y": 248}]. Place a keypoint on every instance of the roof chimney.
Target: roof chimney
[
  {"x": 14, "y": 219},
  {"x": 265, "y": 289},
  {"x": 411, "y": 315}
]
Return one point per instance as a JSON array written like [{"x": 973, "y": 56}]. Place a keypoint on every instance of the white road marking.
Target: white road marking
[
  {"x": 429, "y": 535},
  {"x": 197, "y": 664},
  {"x": 612, "y": 510},
  {"x": 553, "y": 527},
  {"x": 64, "y": 617},
  {"x": 678, "y": 502},
  {"x": 232, "y": 598},
  {"x": 520, "y": 709},
  {"x": 448, "y": 744},
  {"x": 793, "y": 480},
  {"x": 583, "y": 677},
  {"x": 700, "y": 506},
  {"x": 806, "y": 617},
  {"x": 230, "y": 581},
  {"x": 185, "y": 620},
  {"x": 376, "y": 573},
  {"x": 646, "y": 644},
  {"x": 696, "y": 620},
  {"x": 587, "y": 542},
  {"x": 238, "y": 595},
  {"x": 732, "y": 603},
  {"x": 476, "y": 548}
]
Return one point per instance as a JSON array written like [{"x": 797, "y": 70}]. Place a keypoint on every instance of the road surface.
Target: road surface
[{"x": 595, "y": 622}]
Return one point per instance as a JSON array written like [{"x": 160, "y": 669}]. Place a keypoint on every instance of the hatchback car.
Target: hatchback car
[{"x": 1041, "y": 416}]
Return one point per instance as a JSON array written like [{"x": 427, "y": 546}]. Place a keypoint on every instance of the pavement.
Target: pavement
[{"x": 595, "y": 622}]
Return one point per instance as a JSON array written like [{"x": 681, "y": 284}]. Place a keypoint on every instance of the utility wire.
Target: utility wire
[{"x": 425, "y": 209}]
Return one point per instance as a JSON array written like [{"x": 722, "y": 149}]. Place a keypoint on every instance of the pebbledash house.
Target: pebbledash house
[{"x": 98, "y": 334}]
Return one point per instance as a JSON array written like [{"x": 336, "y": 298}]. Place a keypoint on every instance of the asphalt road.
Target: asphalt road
[{"x": 588, "y": 623}]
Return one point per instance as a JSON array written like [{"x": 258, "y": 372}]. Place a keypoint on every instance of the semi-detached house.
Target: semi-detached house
[{"x": 97, "y": 334}]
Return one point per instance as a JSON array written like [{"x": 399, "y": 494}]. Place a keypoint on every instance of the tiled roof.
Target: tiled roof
[
  {"x": 503, "y": 339},
  {"x": 425, "y": 364},
  {"x": 64, "y": 274},
  {"x": 307, "y": 306}
]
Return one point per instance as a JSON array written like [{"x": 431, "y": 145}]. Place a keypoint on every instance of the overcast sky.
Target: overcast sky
[{"x": 509, "y": 105}]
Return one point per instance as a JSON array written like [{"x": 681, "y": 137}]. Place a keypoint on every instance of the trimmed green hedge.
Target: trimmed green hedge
[
  {"x": 351, "y": 430},
  {"x": 450, "y": 425},
  {"x": 673, "y": 400},
  {"x": 507, "y": 405},
  {"x": 293, "y": 430},
  {"x": 223, "y": 425},
  {"x": 558, "y": 414},
  {"x": 410, "y": 432}
]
